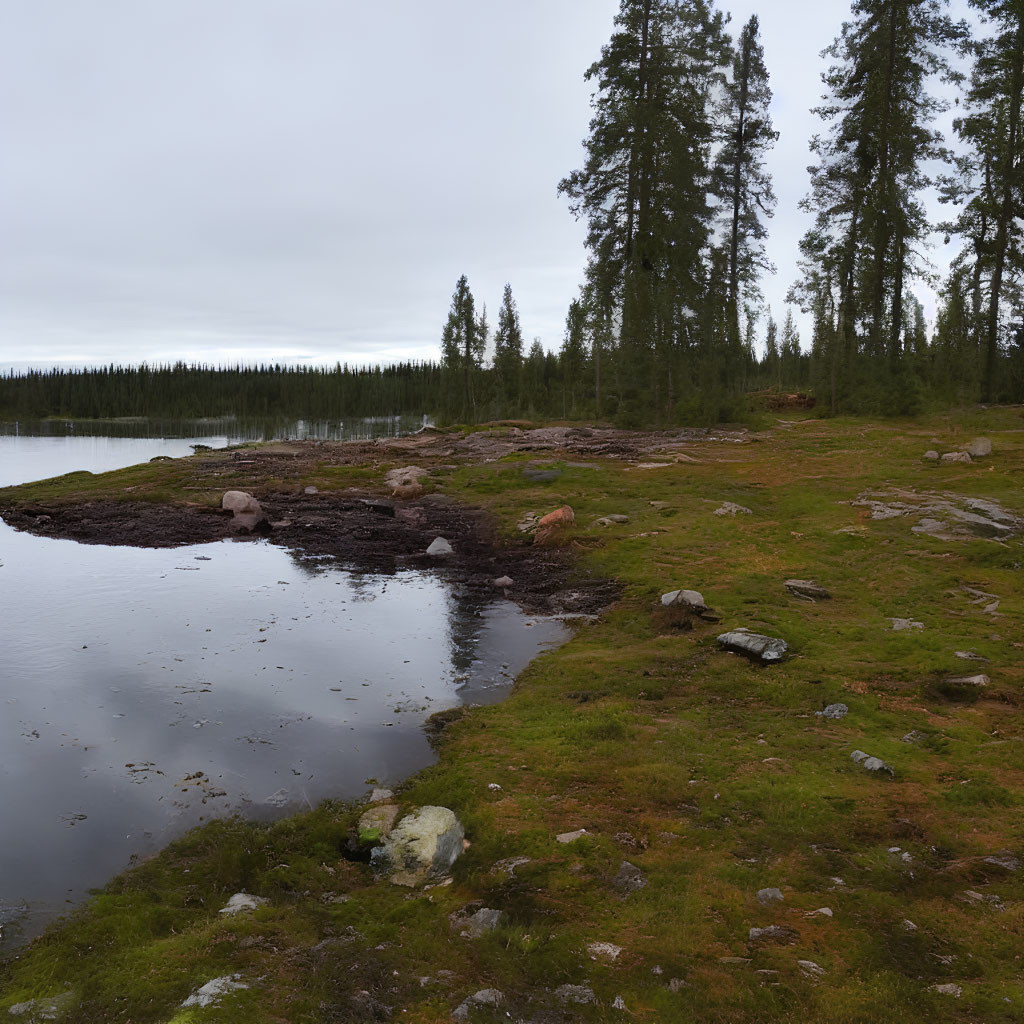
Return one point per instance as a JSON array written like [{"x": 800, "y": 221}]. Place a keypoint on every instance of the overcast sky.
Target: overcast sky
[{"x": 305, "y": 180}]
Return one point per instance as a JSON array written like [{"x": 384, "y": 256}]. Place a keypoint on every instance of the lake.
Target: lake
[{"x": 145, "y": 691}]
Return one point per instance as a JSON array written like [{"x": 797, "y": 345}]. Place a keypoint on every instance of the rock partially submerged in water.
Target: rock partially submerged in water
[
  {"x": 422, "y": 846},
  {"x": 766, "y": 649}
]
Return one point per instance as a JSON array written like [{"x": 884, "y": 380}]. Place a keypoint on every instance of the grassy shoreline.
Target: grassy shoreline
[{"x": 712, "y": 775}]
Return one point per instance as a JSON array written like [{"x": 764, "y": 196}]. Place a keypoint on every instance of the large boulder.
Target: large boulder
[
  {"x": 766, "y": 649},
  {"x": 246, "y": 512},
  {"x": 692, "y": 600},
  {"x": 979, "y": 448},
  {"x": 423, "y": 845},
  {"x": 551, "y": 529},
  {"x": 405, "y": 477},
  {"x": 956, "y": 457}
]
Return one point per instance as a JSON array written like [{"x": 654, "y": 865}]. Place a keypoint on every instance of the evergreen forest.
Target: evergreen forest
[{"x": 670, "y": 325}]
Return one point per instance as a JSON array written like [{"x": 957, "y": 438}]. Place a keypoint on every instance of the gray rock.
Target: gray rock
[
  {"x": 948, "y": 989},
  {"x": 242, "y": 903},
  {"x": 913, "y": 736},
  {"x": 477, "y": 924},
  {"x": 932, "y": 456},
  {"x": 755, "y": 645},
  {"x": 766, "y": 897},
  {"x": 834, "y": 711},
  {"x": 606, "y": 951},
  {"x": 899, "y": 625},
  {"x": 773, "y": 933},
  {"x": 485, "y": 997},
  {"x": 980, "y": 679},
  {"x": 979, "y": 448},
  {"x": 691, "y": 599},
  {"x": 571, "y": 837},
  {"x": 44, "y": 1009},
  {"x": 1006, "y": 861},
  {"x": 730, "y": 508},
  {"x": 379, "y": 795},
  {"x": 239, "y": 502},
  {"x": 808, "y": 590},
  {"x": 376, "y": 823},
  {"x": 809, "y": 969},
  {"x": 969, "y": 656},
  {"x": 440, "y": 548},
  {"x": 508, "y": 865},
  {"x": 582, "y": 995},
  {"x": 629, "y": 878},
  {"x": 502, "y": 582},
  {"x": 423, "y": 845},
  {"x": 310, "y": 490},
  {"x": 213, "y": 991},
  {"x": 407, "y": 476},
  {"x": 956, "y": 457},
  {"x": 869, "y": 763}
]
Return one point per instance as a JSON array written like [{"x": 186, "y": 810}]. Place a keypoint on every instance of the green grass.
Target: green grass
[{"x": 711, "y": 774}]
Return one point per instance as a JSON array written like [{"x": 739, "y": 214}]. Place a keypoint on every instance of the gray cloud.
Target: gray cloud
[{"x": 305, "y": 180}]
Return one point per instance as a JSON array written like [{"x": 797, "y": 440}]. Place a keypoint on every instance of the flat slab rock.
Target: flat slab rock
[
  {"x": 943, "y": 516},
  {"x": 807, "y": 590},
  {"x": 766, "y": 649}
]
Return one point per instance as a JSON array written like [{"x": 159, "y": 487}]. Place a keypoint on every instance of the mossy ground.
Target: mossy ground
[{"x": 711, "y": 774}]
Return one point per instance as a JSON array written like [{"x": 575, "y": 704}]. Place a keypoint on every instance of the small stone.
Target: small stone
[
  {"x": 607, "y": 951},
  {"x": 619, "y": 1003},
  {"x": 1006, "y": 861},
  {"x": 310, "y": 490},
  {"x": 494, "y": 787},
  {"x": 950, "y": 457},
  {"x": 485, "y": 997},
  {"x": 808, "y": 590},
  {"x": 969, "y": 656},
  {"x": 948, "y": 989},
  {"x": 755, "y": 645},
  {"x": 508, "y": 865},
  {"x": 766, "y": 897},
  {"x": 676, "y": 985},
  {"x": 483, "y": 921},
  {"x": 571, "y": 837},
  {"x": 551, "y": 529},
  {"x": 440, "y": 548},
  {"x": 773, "y": 933},
  {"x": 979, "y": 448},
  {"x": 809, "y": 969},
  {"x": 629, "y": 878},
  {"x": 869, "y": 763},
  {"x": 932, "y": 456},
  {"x": 731, "y": 509},
  {"x": 582, "y": 995},
  {"x": 690, "y": 599},
  {"x": 242, "y": 903},
  {"x": 502, "y": 582},
  {"x": 908, "y": 925},
  {"x": 379, "y": 795},
  {"x": 976, "y": 680},
  {"x": 834, "y": 711},
  {"x": 212, "y": 992},
  {"x": 820, "y": 912},
  {"x": 913, "y": 737},
  {"x": 899, "y": 625}
]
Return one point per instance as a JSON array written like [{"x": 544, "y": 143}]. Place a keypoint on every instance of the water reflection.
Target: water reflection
[{"x": 144, "y": 691}]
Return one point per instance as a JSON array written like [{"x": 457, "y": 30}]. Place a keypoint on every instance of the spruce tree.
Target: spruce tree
[
  {"x": 990, "y": 183},
  {"x": 872, "y": 170},
  {"x": 462, "y": 347},
  {"x": 743, "y": 184},
  {"x": 508, "y": 352},
  {"x": 573, "y": 356}
]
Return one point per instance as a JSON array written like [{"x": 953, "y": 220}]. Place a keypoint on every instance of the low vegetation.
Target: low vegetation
[{"x": 714, "y": 776}]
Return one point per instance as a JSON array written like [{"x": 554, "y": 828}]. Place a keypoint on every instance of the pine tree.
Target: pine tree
[
  {"x": 866, "y": 188},
  {"x": 573, "y": 356},
  {"x": 789, "y": 353},
  {"x": 772, "y": 363},
  {"x": 742, "y": 181}
]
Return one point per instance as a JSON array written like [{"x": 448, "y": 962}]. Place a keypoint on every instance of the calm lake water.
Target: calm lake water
[{"x": 144, "y": 691}]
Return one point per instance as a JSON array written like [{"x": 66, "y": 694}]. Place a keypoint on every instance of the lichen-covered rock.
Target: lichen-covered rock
[
  {"x": 773, "y": 933},
  {"x": 485, "y": 997},
  {"x": 423, "y": 845},
  {"x": 730, "y": 508},
  {"x": 834, "y": 712},
  {"x": 551, "y": 528},
  {"x": 376, "y": 823},
  {"x": 979, "y": 448},
  {"x": 956, "y": 457},
  {"x": 213, "y": 991},
  {"x": 766, "y": 897},
  {"x": 629, "y": 878},
  {"x": 472, "y": 926},
  {"x": 762, "y": 648}
]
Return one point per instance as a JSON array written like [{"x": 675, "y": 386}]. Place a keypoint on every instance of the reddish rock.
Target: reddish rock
[{"x": 551, "y": 529}]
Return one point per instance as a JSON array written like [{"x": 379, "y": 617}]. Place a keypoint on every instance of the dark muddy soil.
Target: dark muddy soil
[{"x": 362, "y": 532}]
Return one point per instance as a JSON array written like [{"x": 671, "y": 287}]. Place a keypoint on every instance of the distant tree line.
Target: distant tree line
[{"x": 669, "y": 325}]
